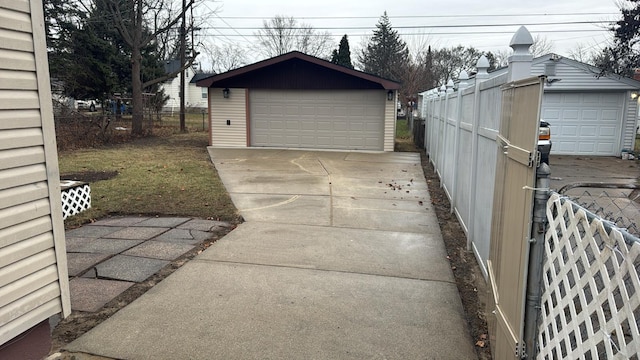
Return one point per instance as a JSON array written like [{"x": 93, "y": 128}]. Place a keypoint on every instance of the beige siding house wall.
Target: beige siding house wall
[
  {"x": 390, "y": 114},
  {"x": 193, "y": 94},
  {"x": 233, "y": 110},
  {"x": 33, "y": 267}
]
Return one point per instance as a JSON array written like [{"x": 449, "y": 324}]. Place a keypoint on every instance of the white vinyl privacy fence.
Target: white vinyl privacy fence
[
  {"x": 460, "y": 139},
  {"x": 590, "y": 306}
]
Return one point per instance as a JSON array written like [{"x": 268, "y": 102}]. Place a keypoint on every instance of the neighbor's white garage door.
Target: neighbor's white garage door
[
  {"x": 584, "y": 123},
  {"x": 322, "y": 119}
]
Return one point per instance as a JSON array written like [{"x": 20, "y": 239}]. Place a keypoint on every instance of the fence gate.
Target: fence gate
[{"x": 512, "y": 212}]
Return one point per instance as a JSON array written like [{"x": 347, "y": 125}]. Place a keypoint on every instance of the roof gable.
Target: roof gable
[
  {"x": 589, "y": 70},
  {"x": 199, "y": 76},
  {"x": 296, "y": 70}
]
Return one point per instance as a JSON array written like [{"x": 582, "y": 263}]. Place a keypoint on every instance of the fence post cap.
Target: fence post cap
[
  {"x": 482, "y": 65},
  {"x": 522, "y": 39},
  {"x": 464, "y": 80},
  {"x": 521, "y": 59},
  {"x": 450, "y": 86}
]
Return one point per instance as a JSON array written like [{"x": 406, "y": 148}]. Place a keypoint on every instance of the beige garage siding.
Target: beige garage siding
[
  {"x": 318, "y": 119},
  {"x": 228, "y": 118},
  {"x": 390, "y": 117},
  {"x": 33, "y": 268}
]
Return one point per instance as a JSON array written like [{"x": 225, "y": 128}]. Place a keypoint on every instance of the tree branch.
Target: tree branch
[
  {"x": 168, "y": 25},
  {"x": 119, "y": 22}
]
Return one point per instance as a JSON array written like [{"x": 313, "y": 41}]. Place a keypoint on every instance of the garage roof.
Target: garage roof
[
  {"x": 296, "y": 70},
  {"x": 572, "y": 75}
]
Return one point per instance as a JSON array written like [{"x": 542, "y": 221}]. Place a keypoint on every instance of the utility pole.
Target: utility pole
[{"x": 183, "y": 34}]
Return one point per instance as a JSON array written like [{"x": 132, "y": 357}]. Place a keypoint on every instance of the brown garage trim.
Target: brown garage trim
[
  {"x": 246, "y": 102},
  {"x": 209, "y": 116},
  {"x": 296, "y": 70}
]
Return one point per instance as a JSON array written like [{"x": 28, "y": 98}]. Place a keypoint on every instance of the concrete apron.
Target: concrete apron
[{"x": 340, "y": 257}]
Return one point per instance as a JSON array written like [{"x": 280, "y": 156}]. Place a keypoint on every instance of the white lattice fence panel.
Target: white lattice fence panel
[
  {"x": 591, "y": 296},
  {"x": 75, "y": 200}
]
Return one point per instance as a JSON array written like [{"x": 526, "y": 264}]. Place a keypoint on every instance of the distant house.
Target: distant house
[
  {"x": 34, "y": 283},
  {"x": 300, "y": 101},
  {"x": 195, "y": 97}
]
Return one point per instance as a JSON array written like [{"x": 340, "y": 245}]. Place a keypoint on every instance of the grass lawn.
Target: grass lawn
[
  {"x": 193, "y": 121},
  {"x": 169, "y": 175},
  {"x": 404, "y": 137}
]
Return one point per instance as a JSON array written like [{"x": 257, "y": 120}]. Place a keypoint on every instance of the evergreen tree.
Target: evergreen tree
[
  {"x": 98, "y": 64},
  {"x": 61, "y": 19},
  {"x": 624, "y": 56},
  {"x": 88, "y": 57},
  {"x": 342, "y": 56},
  {"x": 386, "y": 54}
]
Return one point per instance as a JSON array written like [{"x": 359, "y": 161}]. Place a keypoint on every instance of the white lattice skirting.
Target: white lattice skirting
[
  {"x": 76, "y": 197},
  {"x": 591, "y": 296}
]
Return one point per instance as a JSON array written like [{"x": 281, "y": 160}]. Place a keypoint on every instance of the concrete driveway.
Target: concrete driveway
[
  {"x": 340, "y": 257},
  {"x": 567, "y": 170},
  {"x": 615, "y": 200},
  {"x": 357, "y": 190}
]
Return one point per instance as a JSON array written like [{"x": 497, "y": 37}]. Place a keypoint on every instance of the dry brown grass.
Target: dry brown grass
[{"x": 168, "y": 175}]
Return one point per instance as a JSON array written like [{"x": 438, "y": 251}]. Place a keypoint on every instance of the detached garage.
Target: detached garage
[
  {"x": 589, "y": 114},
  {"x": 299, "y": 101}
]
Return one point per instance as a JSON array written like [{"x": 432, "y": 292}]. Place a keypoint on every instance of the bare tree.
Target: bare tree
[
  {"x": 225, "y": 57},
  {"x": 541, "y": 46},
  {"x": 501, "y": 57},
  {"x": 168, "y": 42},
  {"x": 139, "y": 23},
  {"x": 283, "y": 34},
  {"x": 417, "y": 75},
  {"x": 449, "y": 62},
  {"x": 585, "y": 53}
]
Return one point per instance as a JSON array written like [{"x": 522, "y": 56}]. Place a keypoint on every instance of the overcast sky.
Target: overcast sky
[{"x": 436, "y": 23}]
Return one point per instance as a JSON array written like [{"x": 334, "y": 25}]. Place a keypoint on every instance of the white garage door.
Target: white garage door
[
  {"x": 584, "y": 123},
  {"x": 319, "y": 119}
]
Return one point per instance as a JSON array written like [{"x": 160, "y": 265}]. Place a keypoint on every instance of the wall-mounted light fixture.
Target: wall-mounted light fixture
[
  {"x": 225, "y": 93},
  {"x": 634, "y": 95},
  {"x": 390, "y": 95}
]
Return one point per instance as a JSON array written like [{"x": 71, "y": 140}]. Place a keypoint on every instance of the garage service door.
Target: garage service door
[
  {"x": 584, "y": 123},
  {"x": 340, "y": 119}
]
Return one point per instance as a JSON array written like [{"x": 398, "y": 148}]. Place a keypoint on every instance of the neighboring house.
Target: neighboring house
[
  {"x": 33, "y": 267},
  {"x": 195, "y": 97},
  {"x": 300, "y": 101},
  {"x": 589, "y": 114}
]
